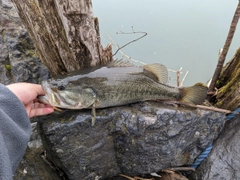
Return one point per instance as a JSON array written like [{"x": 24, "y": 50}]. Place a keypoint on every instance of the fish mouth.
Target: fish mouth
[
  {"x": 51, "y": 97},
  {"x": 57, "y": 100},
  {"x": 43, "y": 99}
]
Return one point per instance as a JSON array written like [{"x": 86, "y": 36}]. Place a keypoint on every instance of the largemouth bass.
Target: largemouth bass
[{"x": 118, "y": 84}]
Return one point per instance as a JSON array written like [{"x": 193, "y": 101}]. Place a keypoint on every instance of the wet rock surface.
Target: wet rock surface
[
  {"x": 136, "y": 139},
  {"x": 223, "y": 161}
]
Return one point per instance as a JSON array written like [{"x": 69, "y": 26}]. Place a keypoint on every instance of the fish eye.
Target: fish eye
[{"x": 61, "y": 88}]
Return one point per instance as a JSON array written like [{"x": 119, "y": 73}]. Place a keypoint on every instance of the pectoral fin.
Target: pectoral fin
[
  {"x": 159, "y": 71},
  {"x": 88, "y": 98}
]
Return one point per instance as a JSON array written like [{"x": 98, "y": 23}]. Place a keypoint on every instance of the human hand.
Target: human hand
[{"x": 27, "y": 93}]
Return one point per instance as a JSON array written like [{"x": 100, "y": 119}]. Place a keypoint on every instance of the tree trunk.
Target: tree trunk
[
  {"x": 65, "y": 33},
  {"x": 225, "y": 49},
  {"x": 229, "y": 85}
]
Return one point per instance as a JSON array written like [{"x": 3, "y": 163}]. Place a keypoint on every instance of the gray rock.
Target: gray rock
[
  {"x": 18, "y": 60},
  {"x": 6, "y": 4},
  {"x": 137, "y": 139},
  {"x": 223, "y": 161},
  {"x": 34, "y": 165}
]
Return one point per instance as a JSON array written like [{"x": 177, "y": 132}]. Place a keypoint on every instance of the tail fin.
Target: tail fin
[{"x": 195, "y": 94}]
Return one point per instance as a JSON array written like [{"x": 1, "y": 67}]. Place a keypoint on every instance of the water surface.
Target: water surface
[{"x": 186, "y": 33}]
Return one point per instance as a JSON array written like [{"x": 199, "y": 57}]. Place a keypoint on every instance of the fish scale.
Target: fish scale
[{"x": 132, "y": 89}]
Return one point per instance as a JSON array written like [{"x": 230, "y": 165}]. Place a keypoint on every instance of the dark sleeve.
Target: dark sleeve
[{"x": 15, "y": 130}]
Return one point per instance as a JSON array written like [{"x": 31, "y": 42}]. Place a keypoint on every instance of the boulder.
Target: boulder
[
  {"x": 18, "y": 60},
  {"x": 137, "y": 139},
  {"x": 224, "y": 160}
]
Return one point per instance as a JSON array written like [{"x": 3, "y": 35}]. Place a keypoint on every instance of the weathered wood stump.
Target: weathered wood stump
[
  {"x": 65, "y": 33},
  {"x": 228, "y": 84}
]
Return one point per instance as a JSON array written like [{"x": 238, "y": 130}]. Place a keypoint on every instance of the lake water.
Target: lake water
[{"x": 186, "y": 33}]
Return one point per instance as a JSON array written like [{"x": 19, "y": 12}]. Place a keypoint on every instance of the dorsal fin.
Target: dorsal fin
[
  {"x": 119, "y": 63},
  {"x": 159, "y": 70}
]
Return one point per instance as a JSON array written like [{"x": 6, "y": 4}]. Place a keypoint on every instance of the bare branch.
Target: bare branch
[
  {"x": 133, "y": 32},
  {"x": 184, "y": 77},
  {"x": 226, "y": 46},
  {"x": 178, "y": 77},
  {"x": 124, "y": 55},
  {"x": 180, "y": 169}
]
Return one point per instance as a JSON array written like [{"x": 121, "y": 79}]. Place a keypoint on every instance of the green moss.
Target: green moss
[
  {"x": 218, "y": 104},
  {"x": 228, "y": 82},
  {"x": 8, "y": 67},
  {"x": 230, "y": 85},
  {"x": 223, "y": 90},
  {"x": 218, "y": 82}
]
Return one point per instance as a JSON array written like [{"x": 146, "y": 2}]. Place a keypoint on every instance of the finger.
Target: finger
[
  {"x": 40, "y": 111},
  {"x": 38, "y": 104},
  {"x": 38, "y": 89}
]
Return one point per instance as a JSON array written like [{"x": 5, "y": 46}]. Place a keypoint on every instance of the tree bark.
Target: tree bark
[
  {"x": 65, "y": 33},
  {"x": 225, "y": 49},
  {"x": 229, "y": 85}
]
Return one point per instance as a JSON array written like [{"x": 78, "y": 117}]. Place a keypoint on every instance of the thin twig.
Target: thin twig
[
  {"x": 181, "y": 169},
  {"x": 196, "y": 106},
  {"x": 178, "y": 77},
  {"x": 184, "y": 78},
  {"x": 134, "y": 32},
  {"x": 123, "y": 54},
  {"x": 127, "y": 177},
  {"x": 207, "y": 108},
  {"x": 178, "y": 72},
  {"x": 213, "y": 109},
  {"x": 135, "y": 178}
]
